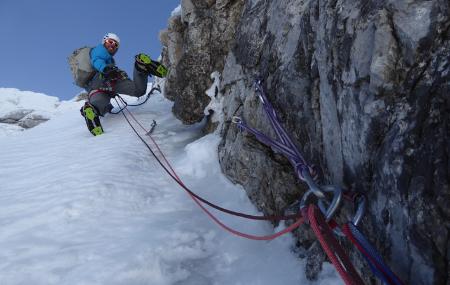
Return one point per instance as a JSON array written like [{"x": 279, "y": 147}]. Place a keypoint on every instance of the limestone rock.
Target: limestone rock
[{"x": 195, "y": 45}]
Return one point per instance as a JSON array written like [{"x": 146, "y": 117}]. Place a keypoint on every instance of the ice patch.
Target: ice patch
[{"x": 215, "y": 106}]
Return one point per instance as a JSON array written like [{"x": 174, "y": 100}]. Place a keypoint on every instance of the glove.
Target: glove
[{"x": 110, "y": 71}]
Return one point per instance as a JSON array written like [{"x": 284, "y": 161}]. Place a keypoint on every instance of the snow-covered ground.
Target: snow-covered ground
[{"x": 78, "y": 209}]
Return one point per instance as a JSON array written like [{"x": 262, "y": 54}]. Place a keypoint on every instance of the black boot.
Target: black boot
[
  {"x": 146, "y": 65},
  {"x": 92, "y": 119}
]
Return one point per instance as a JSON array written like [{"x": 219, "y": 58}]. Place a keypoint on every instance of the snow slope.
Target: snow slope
[{"x": 78, "y": 209}]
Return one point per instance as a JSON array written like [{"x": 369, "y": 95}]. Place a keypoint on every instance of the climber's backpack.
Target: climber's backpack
[{"x": 80, "y": 66}]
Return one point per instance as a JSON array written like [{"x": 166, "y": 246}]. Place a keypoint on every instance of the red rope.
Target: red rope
[
  {"x": 299, "y": 221},
  {"x": 178, "y": 180},
  {"x": 295, "y": 225},
  {"x": 332, "y": 248}
]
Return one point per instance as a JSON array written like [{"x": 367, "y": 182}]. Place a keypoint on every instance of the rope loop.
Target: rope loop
[{"x": 299, "y": 168}]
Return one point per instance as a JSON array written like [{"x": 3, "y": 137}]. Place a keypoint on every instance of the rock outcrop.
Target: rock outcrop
[
  {"x": 363, "y": 89},
  {"x": 25, "y": 118},
  {"x": 21, "y": 110},
  {"x": 196, "y": 44}
]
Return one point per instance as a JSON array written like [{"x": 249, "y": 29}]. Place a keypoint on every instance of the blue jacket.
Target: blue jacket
[{"x": 100, "y": 58}]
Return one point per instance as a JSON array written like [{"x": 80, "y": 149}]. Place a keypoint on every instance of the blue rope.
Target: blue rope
[{"x": 385, "y": 274}]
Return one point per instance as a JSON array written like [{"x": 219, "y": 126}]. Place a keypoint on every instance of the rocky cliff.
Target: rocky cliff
[{"x": 362, "y": 87}]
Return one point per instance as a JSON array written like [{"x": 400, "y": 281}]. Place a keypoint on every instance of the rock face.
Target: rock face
[{"x": 363, "y": 89}]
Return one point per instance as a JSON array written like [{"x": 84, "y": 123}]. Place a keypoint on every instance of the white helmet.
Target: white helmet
[{"x": 111, "y": 36}]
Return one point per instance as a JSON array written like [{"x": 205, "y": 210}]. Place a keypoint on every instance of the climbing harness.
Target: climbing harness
[
  {"x": 125, "y": 104},
  {"x": 110, "y": 91}
]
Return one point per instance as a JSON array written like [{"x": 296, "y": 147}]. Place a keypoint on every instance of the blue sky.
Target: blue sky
[{"x": 36, "y": 37}]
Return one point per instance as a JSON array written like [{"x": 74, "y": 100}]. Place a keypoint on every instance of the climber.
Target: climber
[{"x": 108, "y": 80}]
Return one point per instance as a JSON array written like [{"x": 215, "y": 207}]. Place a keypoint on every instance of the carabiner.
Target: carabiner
[
  {"x": 334, "y": 205},
  {"x": 236, "y": 120},
  {"x": 311, "y": 184},
  {"x": 360, "y": 211},
  {"x": 328, "y": 212}
]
